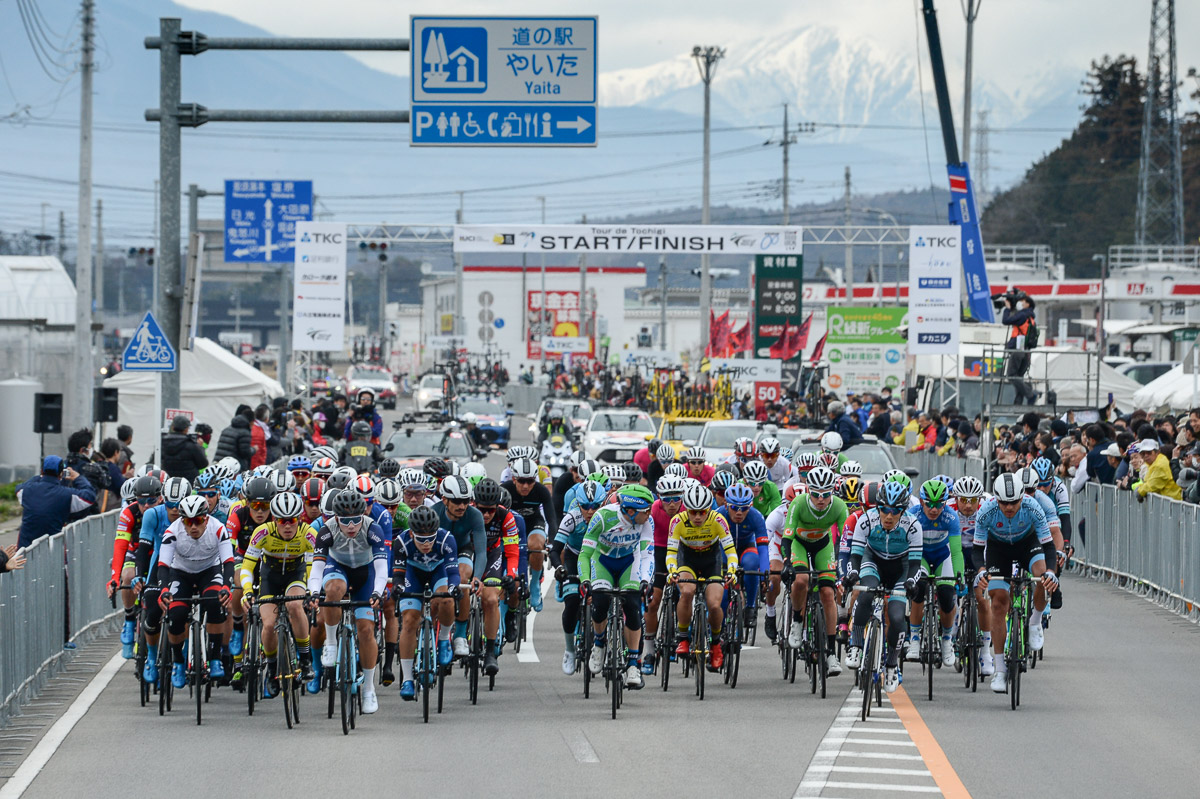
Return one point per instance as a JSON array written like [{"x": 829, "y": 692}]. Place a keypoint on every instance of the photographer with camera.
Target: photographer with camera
[
  {"x": 365, "y": 411},
  {"x": 1018, "y": 315},
  {"x": 182, "y": 455}
]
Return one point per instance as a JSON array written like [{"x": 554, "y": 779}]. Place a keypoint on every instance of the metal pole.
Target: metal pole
[
  {"x": 383, "y": 293},
  {"x": 99, "y": 295},
  {"x": 460, "y": 324},
  {"x": 662, "y": 302},
  {"x": 582, "y": 281},
  {"x": 84, "y": 372},
  {"x": 169, "y": 200},
  {"x": 706, "y": 61},
  {"x": 849, "y": 268},
  {"x": 285, "y": 332},
  {"x": 62, "y": 237},
  {"x": 786, "y": 141},
  {"x": 542, "y": 300},
  {"x": 1103, "y": 259},
  {"x": 970, "y": 11}
]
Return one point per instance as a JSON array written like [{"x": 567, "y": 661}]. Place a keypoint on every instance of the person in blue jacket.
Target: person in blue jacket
[
  {"x": 48, "y": 500},
  {"x": 367, "y": 413}
]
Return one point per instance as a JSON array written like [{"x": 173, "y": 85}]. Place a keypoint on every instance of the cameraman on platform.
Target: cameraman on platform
[
  {"x": 1018, "y": 315},
  {"x": 365, "y": 411}
]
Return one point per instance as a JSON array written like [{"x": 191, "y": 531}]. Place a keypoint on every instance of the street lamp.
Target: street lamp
[
  {"x": 706, "y": 62},
  {"x": 1100, "y": 336}
]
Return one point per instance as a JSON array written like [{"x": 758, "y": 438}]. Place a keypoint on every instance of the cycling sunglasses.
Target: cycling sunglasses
[
  {"x": 1007, "y": 503},
  {"x": 525, "y": 481},
  {"x": 199, "y": 521},
  {"x": 738, "y": 508},
  {"x": 753, "y": 483},
  {"x": 891, "y": 510},
  {"x": 301, "y": 476},
  {"x": 349, "y": 521},
  {"x": 287, "y": 520},
  {"x": 590, "y": 505},
  {"x": 456, "y": 501},
  {"x": 206, "y": 494},
  {"x": 820, "y": 494},
  {"x": 673, "y": 499},
  {"x": 697, "y": 462},
  {"x": 425, "y": 538},
  {"x": 146, "y": 500},
  {"x": 416, "y": 489},
  {"x": 260, "y": 506},
  {"x": 486, "y": 509}
]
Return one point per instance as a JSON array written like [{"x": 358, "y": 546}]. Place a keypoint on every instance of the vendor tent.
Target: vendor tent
[
  {"x": 214, "y": 382},
  {"x": 1175, "y": 390}
]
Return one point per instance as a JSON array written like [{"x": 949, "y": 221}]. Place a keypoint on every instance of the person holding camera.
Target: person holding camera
[
  {"x": 182, "y": 455},
  {"x": 1019, "y": 316},
  {"x": 365, "y": 411},
  {"x": 49, "y": 500}
]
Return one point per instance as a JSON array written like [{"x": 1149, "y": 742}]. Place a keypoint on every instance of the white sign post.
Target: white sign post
[
  {"x": 934, "y": 292},
  {"x": 319, "y": 302}
]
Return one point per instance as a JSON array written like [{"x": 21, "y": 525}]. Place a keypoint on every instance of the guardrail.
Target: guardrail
[
  {"x": 1150, "y": 548},
  {"x": 929, "y": 463},
  {"x": 55, "y": 602}
]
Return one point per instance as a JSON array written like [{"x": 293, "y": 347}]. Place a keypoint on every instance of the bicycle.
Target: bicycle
[
  {"x": 1016, "y": 640},
  {"x": 969, "y": 642},
  {"x": 287, "y": 659},
  {"x": 733, "y": 631},
  {"x": 344, "y": 676},
  {"x": 751, "y": 636},
  {"x": 700, "y": 650},
  {"x": 665, "y": 645},
  {"x": 783, "y": 617},
  {"x": 140, "y": 645},
  {"x": 813, "y": 635},
  {"x": 426, "y": 670},
  {"x": 197, "y": 675},
  {"x": 252, "y": 658},
  {"x": 870, "y": 673},
  {"x": 615, "y": 651},
  {"x": 931, "y": 656},
  {"x": 473, "y": 660}
]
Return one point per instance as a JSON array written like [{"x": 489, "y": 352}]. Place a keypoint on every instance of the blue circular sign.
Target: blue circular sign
[{"x": 498, "y": 323}]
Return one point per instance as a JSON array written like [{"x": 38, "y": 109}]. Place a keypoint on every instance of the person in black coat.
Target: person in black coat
[
  {"x": 182, "y": 455},
  {"x": 235, "y": 439}
]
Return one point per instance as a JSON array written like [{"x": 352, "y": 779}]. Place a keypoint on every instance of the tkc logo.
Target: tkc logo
[
  {"x": 324, "y": 238},
  {"x": 942, "y": 241}
]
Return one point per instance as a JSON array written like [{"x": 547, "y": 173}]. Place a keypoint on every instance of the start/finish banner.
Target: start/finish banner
[
  {"x": 319, "y": 283},
  {"x": 634, "y": 239}
]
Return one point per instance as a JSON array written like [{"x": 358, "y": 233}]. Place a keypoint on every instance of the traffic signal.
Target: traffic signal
[{"x": 393, "y": 329}]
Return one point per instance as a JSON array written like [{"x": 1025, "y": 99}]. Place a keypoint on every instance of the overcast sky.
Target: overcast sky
[{"x": 1014, "y": 39}]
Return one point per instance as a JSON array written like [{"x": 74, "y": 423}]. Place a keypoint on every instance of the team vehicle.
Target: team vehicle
[
  {"x": 614, "y": 436},
  {"x": 491, "y": 416},
  {"x": 431, "y": 392},
  {"x": 368, "y": 377},
  {"x": 874, "y": 456},
  {"x": 411, "y": 443}
]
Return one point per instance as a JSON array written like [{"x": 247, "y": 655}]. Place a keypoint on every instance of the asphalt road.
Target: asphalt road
[{"x": 1111, "y": 711}]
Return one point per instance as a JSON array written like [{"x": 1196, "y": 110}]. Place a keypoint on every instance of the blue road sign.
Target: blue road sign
[
  {"x": 261, "y": 217},
  {"x": 148, "y": 349},
  {"x": 503, "y": 81}
]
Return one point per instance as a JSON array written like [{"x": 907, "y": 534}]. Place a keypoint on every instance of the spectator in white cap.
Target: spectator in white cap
[{"x": 1156, "y": 473}]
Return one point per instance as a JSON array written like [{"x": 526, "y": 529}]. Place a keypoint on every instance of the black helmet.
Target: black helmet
[
  {"x": 390, "y": 467},
  {"x": 505, "y": 498},
  {"x": 487, "y": 492},
  {"x": 653, "y": 445},
  {"x": 633, "y": 472},
  {"x": 259, "y": 489},
  {"x": 147, "y": 486},
  {"x": 348, "y": 503},
  {"x": 339, "y": 480},
  {"x": 361, "y": 430},
  {"x": 436, "y": 467},
  {"x": 423, "y": 521}
]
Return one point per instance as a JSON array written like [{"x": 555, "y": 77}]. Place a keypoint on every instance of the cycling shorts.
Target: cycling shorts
[
  {"x": 942, "y": 571},
  {"x": 614, "y": 572},
  {"x": 276, "y": 582},
  {"x": 496, "y": 566},
  {"x": 1001, "y": 555},
  {"x": 358, "y": 584},
  {"x": 818, "y": 556},
  {"x": 417, "y": 581},
  {"x": 702, "y": 564},
  {"x": 891, "y": 574}
]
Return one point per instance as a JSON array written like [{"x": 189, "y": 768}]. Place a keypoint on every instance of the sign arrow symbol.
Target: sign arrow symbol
[
  {"x": 268, "y": 205},
  {"x": 579, "y": 125}
]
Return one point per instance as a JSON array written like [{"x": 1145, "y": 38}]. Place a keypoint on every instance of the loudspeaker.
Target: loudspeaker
[
  {"x": 47, "y": 413},
  {"x": 105, "y": 404}
]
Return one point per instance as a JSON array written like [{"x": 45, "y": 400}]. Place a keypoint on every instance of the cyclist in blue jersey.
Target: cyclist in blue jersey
[
  {"x": 425, "y": 559},
  {"x": 564, "y": 557},
  {"x": 1014, "y": 529},
  {"x": 942, "y": 561},
  {"x": 1056, "y": 490},
  {"x": 465, "y": 524},
  {"x": 747, "y": 526}
]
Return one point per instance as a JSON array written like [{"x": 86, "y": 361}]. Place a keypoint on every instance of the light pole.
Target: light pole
[
  {"x": 662, "y": 302},
  {"x": 542, "y": 303},
  {"x": 706, "y": 61},
  {"x": 882, "y": 214},
  {"x": 1100, "y": 342}
]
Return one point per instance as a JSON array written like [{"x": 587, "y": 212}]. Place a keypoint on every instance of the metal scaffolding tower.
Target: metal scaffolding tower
[{"x": 1160, "y": 174}]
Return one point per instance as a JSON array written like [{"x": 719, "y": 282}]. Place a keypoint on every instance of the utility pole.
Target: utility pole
[
  {"x": 384, "y": 347},
  {"x": 849, "y": 268},
  {"x": 787, "y": 139},
  {"x": 662, "y": 302},
  {"x": 460, "y": 324},
  {"x": 99, "y": 259},
  {"x": 83, "y": 376},
  {"x": 582, "y": 283},
  {"x": 542, "y": 299},
  {"x": 971, "y": 12},
  {"x": 170, "y": 144},
  {"x": 706, "y": 61}
]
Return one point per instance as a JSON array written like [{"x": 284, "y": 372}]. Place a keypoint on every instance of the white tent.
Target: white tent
[
  {"x": 1175, "y": 390},
  {"x": 214, "y": 382}
]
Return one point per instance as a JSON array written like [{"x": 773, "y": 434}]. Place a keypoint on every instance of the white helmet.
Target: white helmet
[
  {"x": 474, "y": 472},
  {"x": 283, "y": 481},
  {"x": 851, "y": 469},
  {"x": 756, "y": 472},
  {"x": 1008, "y": 487},
  {"x": 387, "y": 492},
  {"x": 1028, "y": 477},
  {"x": 821, "y": 478},
  {"x": 175, "y": 489},
  {"x": 456, "y": 487},
  {"x": 615, "y": 474},
  {"x": 697, "y": 497},
  {"x": 694, "y": 454},
  {"x": 577, "y": 457},
  {"x": 286, "y": 506},
  {"x": 665, "y": 453},
  {"x": 768, "y": 445},
  {"x": 194, "y": 506},
  {"x": 469, "y": 418},
  {"x": 413, "y": 479},
  {"x": 524, "y": 469},
  {"x": 127, "y": 494},
  {"x": 669, "y": 484},
  {"x": 968, "y": 487},
  {"x": 832, "y": 442},
  {"x": 677, "y": 469}
]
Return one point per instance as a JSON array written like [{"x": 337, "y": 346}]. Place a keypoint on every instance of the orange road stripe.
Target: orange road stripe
[{"x": 935, "y": 759}]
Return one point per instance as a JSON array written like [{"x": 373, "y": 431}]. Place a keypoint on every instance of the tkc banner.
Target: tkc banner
[
  {"x": 319, "y": 285},
  {"x": 575, "y": 239},
  {"x": 758, "y": 370},
  {"x": 934, "y": 295},
  {"x": 865, "y": 349}
]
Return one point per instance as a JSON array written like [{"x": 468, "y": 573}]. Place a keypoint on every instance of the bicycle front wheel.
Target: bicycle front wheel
[{"x": 345, "y": 678}]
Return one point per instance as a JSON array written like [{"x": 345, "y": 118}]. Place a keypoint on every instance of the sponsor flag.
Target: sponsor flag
[{"x": 818, "y": 349}]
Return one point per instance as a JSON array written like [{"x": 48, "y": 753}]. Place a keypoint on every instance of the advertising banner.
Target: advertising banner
[
  {"x": 319, "y": 285},
  {"x": 634, "y": 239},
  {"x": 557, "y": 319},
  {"x": 934, "y": 293},
  {"x": 759, "y": 370},
  {"x": 778, "y": 286},
  {"x": 864, "y": 349}
]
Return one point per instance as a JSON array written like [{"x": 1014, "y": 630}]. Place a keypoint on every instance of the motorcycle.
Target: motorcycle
[{"x": 556, "y": 451}]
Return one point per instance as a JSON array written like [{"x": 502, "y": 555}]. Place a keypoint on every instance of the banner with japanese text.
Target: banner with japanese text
[
  {"x": 558, "y": 318},
  {"x": 865, "y": 349},
  {"x": 319, "y": 286}
]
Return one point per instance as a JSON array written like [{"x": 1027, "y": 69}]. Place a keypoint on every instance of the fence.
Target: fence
[
  {"x": 1150, "y": 548},
  {"x": 929, "y": 463},
  {"x": 54, "y": 602}
]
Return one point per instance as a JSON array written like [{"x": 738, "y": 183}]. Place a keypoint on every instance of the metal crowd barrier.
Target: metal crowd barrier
[
  {"x": 1151, "y": 548},
  {"x": 55, "y": 602},
  {"x": 929, "y": 463}
]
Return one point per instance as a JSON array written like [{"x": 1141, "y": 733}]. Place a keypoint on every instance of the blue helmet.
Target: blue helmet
[
  {"x": 738, "y": 495},
  {"x": 1044, "y": 469},
  {"x": 206, "y": 480},
  {"x": 299, "y": 462},
  {"x": 894, "y": 493},
  {"x": 946, "y": 479},
  {"x": 227, "y": 488}
]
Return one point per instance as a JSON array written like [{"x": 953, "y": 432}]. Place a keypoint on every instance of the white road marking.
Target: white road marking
[
  {"x": 879, "y": 755},
  {"x": 920, "y": 772},
  {"x": 580, "y": 746},
  {"x": 41, "y": 754},
  {"x": 881, "y": 786},
  {"x": 528, "y": 654}
]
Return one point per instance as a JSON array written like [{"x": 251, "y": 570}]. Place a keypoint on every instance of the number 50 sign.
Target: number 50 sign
[{"x": 766, "y": 392}]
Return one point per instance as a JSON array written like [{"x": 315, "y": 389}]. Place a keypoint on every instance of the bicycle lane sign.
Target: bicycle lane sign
[{"x": 148, "y": 349}]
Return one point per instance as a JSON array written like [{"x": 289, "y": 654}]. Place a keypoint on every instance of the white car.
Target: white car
[
  {"x": 429, "y": 394},
  {"x": 613, "y": 436},
  {"x": 717, "y": 437},
  {"x": 366, "y": 377}
]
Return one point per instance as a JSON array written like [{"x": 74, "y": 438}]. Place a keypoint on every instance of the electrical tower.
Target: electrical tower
[
  {"x": 983, "y": 193},
  {"x": 1160, "y": 173}
]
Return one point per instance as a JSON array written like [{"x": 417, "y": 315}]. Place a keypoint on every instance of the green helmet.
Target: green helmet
[
  {"x": 934, "y": 493},
  {"x": 897, "y": 476},
  {"x": 635, "y": 497},
  {"x": 599, "y": 477}
]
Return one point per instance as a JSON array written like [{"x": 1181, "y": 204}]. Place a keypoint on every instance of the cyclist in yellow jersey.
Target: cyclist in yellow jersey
[
  {"x": 285, "y": 548},
  {"x": 696, "y": 540}
]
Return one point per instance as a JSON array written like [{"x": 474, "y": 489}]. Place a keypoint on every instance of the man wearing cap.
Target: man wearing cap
[
  {"x": 1157, "y": 477},
  {"x": 841, "y": 423},
  {"x": 48, "y": 500}
]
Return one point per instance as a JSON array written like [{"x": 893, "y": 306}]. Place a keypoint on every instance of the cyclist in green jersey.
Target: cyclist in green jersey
[{"x": 766, "y": 494}]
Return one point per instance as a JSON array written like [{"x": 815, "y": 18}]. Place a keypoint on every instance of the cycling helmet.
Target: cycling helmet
[
  {"x": 832, "y": 442},
  {"x": 851, "y": 490},
  {"x": 127, "y": 494},
  {"x": 633, "y": 472},
  {"x": 227, "y": 488},
  {"x": 259, "y": 489},
  {"x": 323, "y": 467},
  {"x": 556, "y": 413},
  {"x": 348, "y": 503},
  {"x": 755, "y": 472},
  {"x": 299, "y": 463},
  {"x": 870, "y": 495},
  {"x": 768, "y": 445},
  {"x": 694, "y": 454},
  {"x": 786, "y": 454},
  {"x": 474, "y": 472},
  {"x": 206, "y": 480},
  {"x": 387, "y": 492},
  {"x": 600, "y": 477},
  {"x": 361, "y": 430},
  {"x": 365, "y": 487},
  {"x": 588, "y": 467},
  {"x": 229, "y": 465},
  {"x": 524, "y": 469},
  {"x": 456, "y": 487},
  {"x": 436, "y": 467},
  {"x": 830, "y": 459},
  {"x": 592, "y": 495},
  {"x": 896, "y": 476},
  {"x": 615, "y": 474},
  {"x": 174, "y": 490},
  {"x": 283, "y": 481},
  {"x": 145, "y": 487},
  {"x": 721, "y": 481},
  {"x": 413, "y": 480},
  {"x": 261, "y": 471},
  {"x": 327, "y": 502},
  {"x": 341, "y": 478},
  {"x": 145, "y": 469},
  {"x": 1008, "y": 487},
  {"x": 576, "y": 458},
  {"x": 806, "y": 461},
  {"x": 677, "y": 469},
  {"x": 453, "y": 467},
  {"x": 744, "y": 448},
  {"x": 635, "y": 498},
  {"x": 851, "y": 469},
  {"x": 739, "y": 495},
  {"x": 669, "y": 485},
  {"x": 968, "y": 487},
  {"x": 312, "y": 489},
  {"x": 946, "y": 479},
  {"x": 469, "y": 418},
  {"x": 389, "y": 467},
  {"x": 697, "y": 497},
  {"x": 1028, "y": 477},
  {"x": 423, "y": 522},
  {"x": 665, "y": 453},
  {"x": 1044, "y": 469},
  {"x": 316, "y": 453},
  {"x": 821, "y": 479},
  {"x": 487, "y": 492},
  {"x": 193, "y": 507},
  {"x": 894, "y": 494},
  {"x": 505, "y": 498},
  {"x": 653, "y": 446},
  {"x": 934, "y": 493},
  {"x": 519, "y": 452},
  {"x": 286, "y": 506}
]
